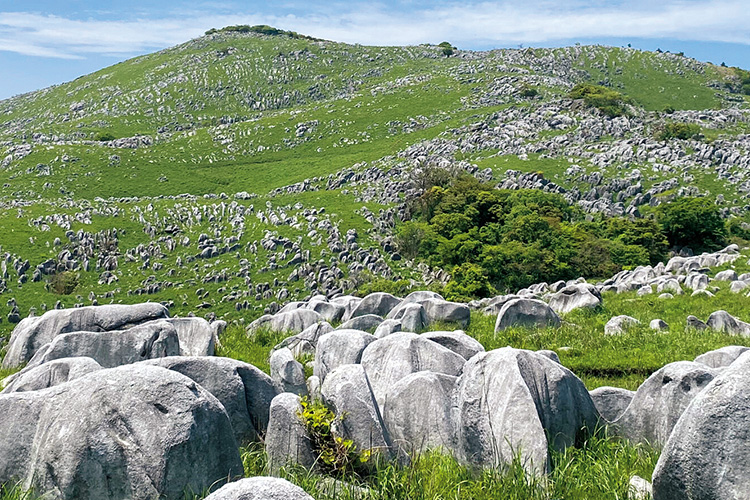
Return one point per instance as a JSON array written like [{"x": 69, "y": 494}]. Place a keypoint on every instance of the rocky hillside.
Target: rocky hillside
[{"x": 238, "y": 171}]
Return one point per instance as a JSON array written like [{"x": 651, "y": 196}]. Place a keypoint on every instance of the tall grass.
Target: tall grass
[{"x": 600, "y": 469}]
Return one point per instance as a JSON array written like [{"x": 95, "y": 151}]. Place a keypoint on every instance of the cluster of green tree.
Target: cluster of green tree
[
  {"x": 610, "y": 102},
  {"x": 677, "y": 131},
  {"x": 448, "y": 48},
  {"x": 744, "y": 76},
  {"x": 262, "y": 29},
  {"x": 494, "y": 240}
]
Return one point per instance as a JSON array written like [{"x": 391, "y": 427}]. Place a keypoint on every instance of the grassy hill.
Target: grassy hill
[{"x": 158, "y": 147}]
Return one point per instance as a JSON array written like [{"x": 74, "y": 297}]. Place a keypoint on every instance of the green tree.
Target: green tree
[{"x": 694, "y": 223}]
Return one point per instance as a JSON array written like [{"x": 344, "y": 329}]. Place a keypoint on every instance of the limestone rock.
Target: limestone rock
[
  {"x": 155, "y": 339},
  {"x": 619, "y": 325},
  {"x": 611, "y": 402},
  {"x": 135, "y": 431},
  {"x": 340, "y": 347},
  {"x": 575, "y": 297},
  {"x": 347, "y": 391},
  {"x": 50, "y": 374},
  {"x": 34, "y": 332},
  {"x": 287, "y": 441},
  {"x": 526, "y": 313},
  {"x": 392, "y": 358},
  {"x": 260, "y": 488},
  {"x": 660, "y": 400},
  {"x": 721, "y": 358},
  {"x": 509, "y": 400},
  {"x": 707, "y": 455},
  {"x": 244, "y": 391},
  {"x": 457, "y": 341},
  {"x": 287, "y": 372},
  {"x": 417, "y": 412}
]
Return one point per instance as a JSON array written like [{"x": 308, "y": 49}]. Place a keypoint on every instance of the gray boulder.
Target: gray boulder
[
  {"x": 658, "y": 325},
  {"x": 530, "y": 313},
  {"x": 287, "y": 372},
  {"x": 155, "y": 339},
  {"x": 611, "y": 402},
  {"x": 392, "y": 358},
  {"x": 197, "y": 336},
  {"x": 728, "y": 275},
  {"x": 670, "y": 285},
  {"x": 456, "y": 341},
  {"x": 287, "y": 441},
  {"x": 135, "y": 431},
  {"x": 722, "y": 321},
  {"x": 721, "y": 358},
  {"x": 243, "y": 390},
  {"x": 620, "y": 324},
  {"x": 443, "y": 311},
  {"x": 294, "y": 321},
  {"x": 660, "y": 400},
  {"x": 547, "y": 353},
  {"x": 510, "y": 400},
  {"x": 378, "y": 304},
  {"x": 693, "y": 323},
  {"x": 576, "y": 296},
  {"x": 49, "y": 374},
  {"x": 387, "y": 327},
  {"x": 413, "y": 318},
  {"x": 36, "y": 331},
  {"x": 348, "y": 302},
  {"x": 707, "y": 456},
  {"x": 329, "y": 311},
  {"x": 306, "y": 341},
  {"x": 260, "y": 488},
  {"x": 340, "y": 347},
  {"x": 417, "y": 412},
  {"x": 366, "y": 323},
  {"x": 738, "y": 286},
  {"x": 347, "y": 391}
]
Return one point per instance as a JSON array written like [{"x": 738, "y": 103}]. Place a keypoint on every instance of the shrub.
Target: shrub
[
  {"x": 104, "y": 137},
  {"x": 682, "y": 131},
  {"x": 336, "y": 455},
  {"x": 693, "y": 222},
  {"x": 468, "y": 281},
  {"x": 448, "y": 49},
  {"x": 529, "y": 91},
  {"x": 64, "y": 283},
  {"x": 610, "y": 102}
]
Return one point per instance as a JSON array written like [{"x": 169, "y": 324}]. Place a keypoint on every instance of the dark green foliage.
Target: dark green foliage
[
  {"x": 64, "y": 283},
  {"x": 262, "y": 29},
  {"x": 529, "y": 92},
  {"x": 677, "y": 131},
  {"x": 448, "y": 49},
  {"x": 492, "y": 240},
  {"x": 610, "y": 102},
  {"x": 469, "y": 281},
  {"x": 738, "y": 228},
  {"x": 693, "y": 222},
  {"x": 104, "y": 137}
]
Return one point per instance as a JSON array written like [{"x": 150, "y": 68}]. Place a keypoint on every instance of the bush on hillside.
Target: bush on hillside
[
  {"x": 682, "y": 131},
  {"x": 492, "y": 240},
  {"x": 610, "y": 102},
  {"x": 104, "y": 137},
  {"x": 694, "y": 223},
  {"x": 64, "y": 283}
]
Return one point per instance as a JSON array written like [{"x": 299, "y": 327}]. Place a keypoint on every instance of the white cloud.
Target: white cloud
[{"x": 499, "y": 23}]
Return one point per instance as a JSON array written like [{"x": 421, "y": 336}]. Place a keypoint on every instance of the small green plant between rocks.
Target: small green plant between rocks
[{"x": 337, "y": 456}]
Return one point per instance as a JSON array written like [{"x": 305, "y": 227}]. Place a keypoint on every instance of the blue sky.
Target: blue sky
[{"x": 51, "y": 41}]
